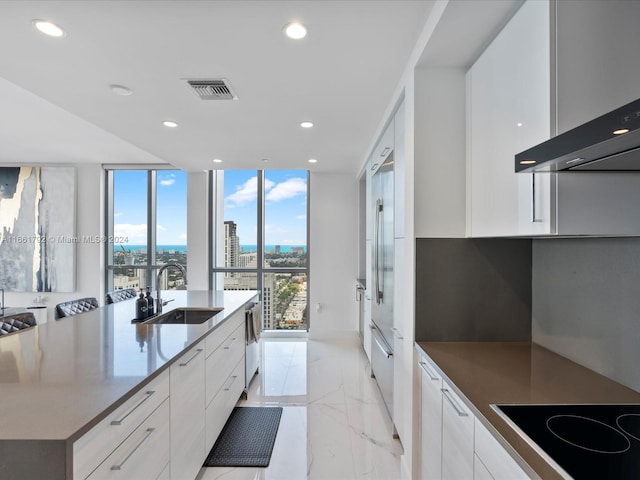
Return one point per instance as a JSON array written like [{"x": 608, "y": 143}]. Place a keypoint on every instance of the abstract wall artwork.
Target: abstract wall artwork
[{"x": 37, "y": 229}]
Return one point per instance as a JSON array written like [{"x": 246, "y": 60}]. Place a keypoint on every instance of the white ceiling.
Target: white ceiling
[{"x": 57, "y": 107}]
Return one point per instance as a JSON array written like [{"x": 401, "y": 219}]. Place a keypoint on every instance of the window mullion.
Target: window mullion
[
  {"x": 151, "y": 228},
  {"x": 260, "y": 239}
]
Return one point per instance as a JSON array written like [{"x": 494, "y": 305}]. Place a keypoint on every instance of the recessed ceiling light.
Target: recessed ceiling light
[
  {"x": 295, "y": 30},
  {"x": 306, "y": 124},
  {"x": 170, "y": 124},
  {"x": 621, "y": 131},
  {"x": 519, "y": 124},
  {"x": 217, "y": 160},
  {"x": 313, "y": 160},
  {"x": 527, "y": 162},
  {"x": 49, "y": 28},
  {"x": 120, "y": 90}
]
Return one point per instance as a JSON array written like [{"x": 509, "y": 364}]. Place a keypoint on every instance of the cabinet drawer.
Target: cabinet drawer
[
  {"x": 101, "y": 440},
  {"x": 480, "y": 472},
  {"x": 457, "y": 436},
  {"x": 494, "y": 456},
  {"x": 143, "y": 455},
  {"x": 166, "y": 473},
  {"x": 187, "y": 414},
  {"x": 222, "y": 361},
  {"x": 215, "y": 339},
  {"x": 222, "y": 405},
  {"x": 431, "y": 421}
]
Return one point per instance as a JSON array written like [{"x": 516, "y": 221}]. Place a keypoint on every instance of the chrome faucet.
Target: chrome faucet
[{"x": 182, "y": 269}]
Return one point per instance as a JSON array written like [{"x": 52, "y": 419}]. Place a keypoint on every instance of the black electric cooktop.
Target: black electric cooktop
[{"x": 586, "y": 441}]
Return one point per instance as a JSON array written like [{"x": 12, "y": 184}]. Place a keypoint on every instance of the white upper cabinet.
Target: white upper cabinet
[
  {"x": 514, "y": 100},
  {"x": 509, "y": 110}
]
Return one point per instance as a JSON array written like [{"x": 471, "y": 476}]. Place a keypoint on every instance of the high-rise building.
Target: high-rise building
[
  {"x": 231, "y": 244},
  {"x": 248, "y": 260}
]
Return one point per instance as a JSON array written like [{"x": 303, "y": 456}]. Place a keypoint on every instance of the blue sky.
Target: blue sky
[
  {"x": 285, "y": 206},
  {"x": 130, "y": 206}
]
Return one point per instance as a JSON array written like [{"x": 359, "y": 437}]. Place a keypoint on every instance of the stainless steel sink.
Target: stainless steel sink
[{"x": 186, "y": 315}]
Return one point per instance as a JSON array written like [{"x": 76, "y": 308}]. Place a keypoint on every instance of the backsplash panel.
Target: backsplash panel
[
  {"x": 586, "y": 303},
  {"x": 473, "y": 289}
]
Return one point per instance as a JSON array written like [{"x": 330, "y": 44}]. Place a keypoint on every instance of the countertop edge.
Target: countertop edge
[
  {"x": 148, "y": 379},
  {"x": 510, "y": 449}
]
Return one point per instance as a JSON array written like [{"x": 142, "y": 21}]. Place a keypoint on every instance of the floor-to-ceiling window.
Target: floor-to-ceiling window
[
  {"x": 260, "y": 240},
  {"x": 146, "y": 227}
]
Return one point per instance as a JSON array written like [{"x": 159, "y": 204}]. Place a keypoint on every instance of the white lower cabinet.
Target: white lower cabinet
[
  {"x": 187, "y": 414},
  {"x": 222, "y": 405},
  {"x": 455, "y": 445},
  {"x": 143, "y": 455},
  {"x": 431, "y": 422},
  {"x": 480, "y": 472},
  {"x": 498, "y": 463},
  {"x": 166, "y": 473},
  {"x": 457, "y": 436},
  {"x": 225, "y": 372},
  {"x": 113, "y": 435}
]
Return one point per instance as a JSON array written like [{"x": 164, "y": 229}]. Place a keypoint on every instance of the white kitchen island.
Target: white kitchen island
[{"x": 75, "y": 391}]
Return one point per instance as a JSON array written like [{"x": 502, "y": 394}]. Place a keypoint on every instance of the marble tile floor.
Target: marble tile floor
[{"x": 334, "y": 425}]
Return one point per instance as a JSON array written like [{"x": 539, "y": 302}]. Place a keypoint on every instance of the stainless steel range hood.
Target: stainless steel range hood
[{"x": 610, "y": 143}]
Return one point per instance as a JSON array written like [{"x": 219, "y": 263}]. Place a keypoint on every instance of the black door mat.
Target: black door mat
[{"x": 247, "y": 438}]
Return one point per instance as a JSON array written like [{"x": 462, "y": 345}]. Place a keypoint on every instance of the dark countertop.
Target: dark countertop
[
  {"x": 486, "y": 373},
  {"x": 60, "y": 378}
]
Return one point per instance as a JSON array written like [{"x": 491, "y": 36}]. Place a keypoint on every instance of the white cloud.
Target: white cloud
[
  {"x": 117, "y": 214},
  {"x": 168, "y": 180},
  {"x": 160, "y": 228},
  {"x": 301, "y": 217},
  {"x": 271, "y": 229},
  {"x": 247, "y": 192},
  {"x": 135, "y": 233},
  {"x": 288, "y": 189},
  {"x": 182, "y": 236}
]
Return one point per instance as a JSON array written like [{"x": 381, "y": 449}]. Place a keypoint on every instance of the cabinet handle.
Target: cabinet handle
[
  {"x": 533, "y": 199},
  {"x": 147, "y": 397},
  {"x": 198, "y": 352},
  {"x": 397, "y": 333},
  {"x": 230, "y": 343},
  {"x": 119, "y": 467},
  {"x": 381, "y": 343},
  {"x": 453, "y": 403},
  {"x": 432, "y": 376},
  {"x": 233, "y": 379}
]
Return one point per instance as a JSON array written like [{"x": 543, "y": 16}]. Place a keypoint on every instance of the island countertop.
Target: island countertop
[{"x": 60, "y": 378}]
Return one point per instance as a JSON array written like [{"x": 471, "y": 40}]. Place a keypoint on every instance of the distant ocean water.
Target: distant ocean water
[
  {"x": 183, "y": 248},
  {"x": 272, "y": 248},
  {"x": 137, "y": 248}
]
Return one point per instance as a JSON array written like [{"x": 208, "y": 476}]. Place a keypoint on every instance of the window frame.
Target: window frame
[
  {"x": 260, "y": 270},
  {"x": 151, "y": 266}
]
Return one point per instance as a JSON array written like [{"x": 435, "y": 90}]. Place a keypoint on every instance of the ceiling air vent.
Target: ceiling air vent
[{"x": 217, "y": 89}]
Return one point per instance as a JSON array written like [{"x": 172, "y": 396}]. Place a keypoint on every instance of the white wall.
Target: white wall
[
  {"x": 333, "y": 263},
  {"x": 89, "y": 256}
]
